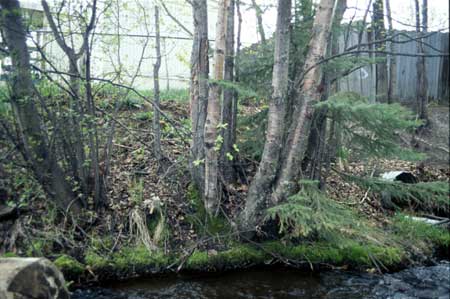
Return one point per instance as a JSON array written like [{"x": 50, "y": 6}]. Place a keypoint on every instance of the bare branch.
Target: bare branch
[{"x": 175, "y": 19}]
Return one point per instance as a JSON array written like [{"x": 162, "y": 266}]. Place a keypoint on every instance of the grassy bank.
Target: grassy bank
[{"x": 412, "y": 243}]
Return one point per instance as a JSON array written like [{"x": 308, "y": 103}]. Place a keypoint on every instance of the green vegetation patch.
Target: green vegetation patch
[
  {"x": 427, "y": 196},
  {"x": 69, "y": 266},
  {"x": 128, "y": 260},
  {"x": 350, "y": 253},
  {"x": 132, "y": 258},
  {"x": 235, "y": 257},
  {"x": 203, "y": 223},
  {"x": 416, "y": 234},
  {"x": 9, "y": 254}
]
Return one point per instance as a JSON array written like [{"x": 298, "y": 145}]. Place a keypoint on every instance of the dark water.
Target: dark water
[{"x": 423, "y": 282}]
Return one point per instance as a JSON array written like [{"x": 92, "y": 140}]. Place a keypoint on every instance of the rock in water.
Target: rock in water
[
  {"x": 421, "y": 282},
  {"x": 31, "y": 278}
]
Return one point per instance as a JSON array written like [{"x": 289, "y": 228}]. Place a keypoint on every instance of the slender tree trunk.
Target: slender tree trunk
[
  {"x": 42, "y": 159},
  {"x": 379, "y": 33},
  {"x": 425, "y": 15},
  {"x": 315, "y": 152},
  {"x": 259, "y": 13},
  {"x": 228, "y": 113},
  {"x": 199, "y": 91},
  {"x": 421, "y": 98},
  {"x": 213, "y": 140},
  {"x": 236, "y": 70},
  {"x": 156, "y": 66},
  {"x": 92, "y": 132},
  {"x": 308, "y": 93},
  {"x": 391, "y": 66},
  {"x": 260, "y": 188},
  {"x": 76, "y": 128}
]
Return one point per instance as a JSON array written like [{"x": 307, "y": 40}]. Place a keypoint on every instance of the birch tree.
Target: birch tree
[
  {"x": 265, "y": 175},
  {"x": 199, "y": 91},
  {"x": 213, "y": 140},
  {"x": 229, "y": 113},
  {"x": 156, "y": 67},
  {"x": 258, "y": 13},
  {"x": 307, "y": 94}
]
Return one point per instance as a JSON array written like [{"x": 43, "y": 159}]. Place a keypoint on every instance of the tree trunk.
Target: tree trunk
[
  {"x": 379, "y": 33},
  {"x": 261, "y": 186},
  {"x": 42, "y": 159},
  {"x": 236, "y": 70},
  {"x": 156, "y": 66},
  {"x": 75, "y": 129},
  {"x": 315, "y": 152},
  {"x": 421, "y": 98},
  {"x": 425, "y": 15},
  {"x": 228, "y": 111},
  {"x": 258, "y": 13},
  {"x": 308, "y": 92},
  {"x": 391, "y": 66},
  {"x": 199, "y": 91},
  {"x": 213, "y": 142},
  {"x": 75, "y": 133}
]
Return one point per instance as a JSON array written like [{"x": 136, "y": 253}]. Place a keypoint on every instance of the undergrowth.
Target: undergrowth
[
  {"x": 426, "y": 196},
  {"x": 311, "y": 213},
  {"x": 415, "y": 234}
]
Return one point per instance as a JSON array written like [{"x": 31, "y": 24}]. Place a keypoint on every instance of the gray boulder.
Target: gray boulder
[{"x": 31, "y": 278}]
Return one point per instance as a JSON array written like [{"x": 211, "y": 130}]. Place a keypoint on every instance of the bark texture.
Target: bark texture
[
  {"x": 156, "y": 67},
  {"x": 379, "y": 33},
  {"x": 308, "y": 92},
  {"x": 212, "y": 142},
  {"x": 391, "y": 66},
  {"x": 422, "y": 100},
  {"x": 315, "y": 152},
  {"x": 259, "y": 12},
  {"x": 261, "y": 186},
  {"x": 199, "y": 91},
  {"x": 228, "y": 118}
]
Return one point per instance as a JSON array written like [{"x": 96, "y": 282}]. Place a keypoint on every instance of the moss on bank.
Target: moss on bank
[
  {"x": 236, "y": 257},
  {"x": 71, "y": 268},
  {"x": 131, "y": 261}
]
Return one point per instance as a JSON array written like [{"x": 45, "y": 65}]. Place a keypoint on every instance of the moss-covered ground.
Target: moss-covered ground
[{"x": 408, "y": 238}]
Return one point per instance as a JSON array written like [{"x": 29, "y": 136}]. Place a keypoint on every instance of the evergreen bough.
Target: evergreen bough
[
  {"x": 370, "y": 129},
  {"x": 426, "y": 196},
  {"x": 312, "y": 214}
]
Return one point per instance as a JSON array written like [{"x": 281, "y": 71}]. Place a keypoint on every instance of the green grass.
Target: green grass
[
  {"x": 418, "y": 234},
  {"x": 403, "y": 234},
  {"x": 9, "y": 254}
]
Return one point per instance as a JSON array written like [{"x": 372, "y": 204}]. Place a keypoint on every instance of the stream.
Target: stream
[{"x": 420, "y": 282}]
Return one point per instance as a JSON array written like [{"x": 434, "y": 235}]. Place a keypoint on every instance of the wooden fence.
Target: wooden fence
[{"x": 363, "y": 80}]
